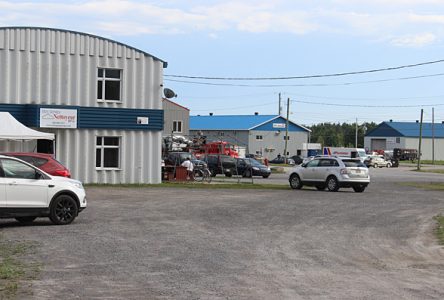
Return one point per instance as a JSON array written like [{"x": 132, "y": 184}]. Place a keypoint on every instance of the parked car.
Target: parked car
[
  {"x": 297, "y": 159},
  {"x": 248, "y": 167},
  {"x": 331, "y": 173},
  {"x": 220, "y": 164},
  {"x": 377, "y": 161},
  {"x": 281, "y": 160},
  {"x": 27, "y": 193},
  {"x": 177, "y": 158},
  {"x": 43, "y": 161}
]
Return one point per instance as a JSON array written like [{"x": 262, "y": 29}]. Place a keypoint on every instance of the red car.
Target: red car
[{"x": 42, "y": 161}]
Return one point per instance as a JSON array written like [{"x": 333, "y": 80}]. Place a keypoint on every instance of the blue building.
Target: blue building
[
  {"x": 390, "y": 135},
  {"x": 258, "y": 134}
]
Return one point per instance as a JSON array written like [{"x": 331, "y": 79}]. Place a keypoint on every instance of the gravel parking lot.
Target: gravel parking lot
[{"x": 158, "y": 243}]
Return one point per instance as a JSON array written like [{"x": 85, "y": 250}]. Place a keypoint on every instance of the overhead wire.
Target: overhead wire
[{"x": 310, "y": 76}]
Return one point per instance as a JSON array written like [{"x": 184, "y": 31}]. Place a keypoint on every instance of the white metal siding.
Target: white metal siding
[{"x": 47, "y": 66}]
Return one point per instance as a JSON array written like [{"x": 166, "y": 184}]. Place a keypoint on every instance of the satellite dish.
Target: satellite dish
[{"x": 169, "y": 93}]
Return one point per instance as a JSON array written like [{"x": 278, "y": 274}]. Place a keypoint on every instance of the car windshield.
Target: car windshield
[
  {"x": 253, "y": 162},
  {"x": 353, "y": 163}
]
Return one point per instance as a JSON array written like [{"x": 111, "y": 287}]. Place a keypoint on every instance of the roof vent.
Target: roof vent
[
  {"x": 211, "y": 114},
  {"x": 442, "y": 122},
  {"x": 417, "y": 121},
  {"x": 256, "y": 113},
  {"x": 391, "y": 120}
]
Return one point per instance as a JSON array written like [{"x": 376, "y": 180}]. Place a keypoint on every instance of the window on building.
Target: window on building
[
  {"x": 398, "y": 140},
  {"x": 108, "y": 152},
  {"x": 177, "y": 126},
  {"x": 109, "y": 84},
  {"x": 286, "y": 137},
  {"x": 221, "y": 133},
  {"x": 259, "y": 137}
]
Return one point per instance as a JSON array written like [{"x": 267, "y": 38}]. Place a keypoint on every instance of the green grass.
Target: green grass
[
  {"x": 423, "y": 162},
  {"x": 197, "y": 185},
  {"x": 428, "y": 186},
  {"x": 439, "y": 230},
  {"x": 12, "y": 269},
  {"x": 437, "y": 171}
]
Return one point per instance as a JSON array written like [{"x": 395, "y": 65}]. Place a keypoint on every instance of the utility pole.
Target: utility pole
[
  {"x": 433, "y": 135},
  {"x": 420, "y": 141},
  {"x": 280, "y": 107},
  {"x": 356, "y": 134},
  {"x": 286, "y": 129}
]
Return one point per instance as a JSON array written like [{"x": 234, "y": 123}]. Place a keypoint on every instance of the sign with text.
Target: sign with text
[
  {"x": 279, "y": 125},
  {"x": 58, "y": 118}
]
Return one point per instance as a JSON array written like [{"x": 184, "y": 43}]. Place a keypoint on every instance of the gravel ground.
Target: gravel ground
[{"x": 244, "y": 244}]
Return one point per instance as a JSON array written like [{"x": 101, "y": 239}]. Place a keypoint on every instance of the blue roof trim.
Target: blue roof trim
[
  {"x": 407, "y": 129},
  {"x": 227, "y": 122},
  {"x": 164, "y": 63},
  {"x": 91, "y": 117},
  {"x": 268, "y": 126}
]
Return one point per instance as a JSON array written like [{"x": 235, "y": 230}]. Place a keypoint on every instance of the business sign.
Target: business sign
[
  {"x": 58, "y": 118},
  {"x": 143, "y": 120},
  {"x": 279, "y": 125}
]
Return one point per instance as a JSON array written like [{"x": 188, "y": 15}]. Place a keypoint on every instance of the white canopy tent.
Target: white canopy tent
[{"x": 13, "y": 130}]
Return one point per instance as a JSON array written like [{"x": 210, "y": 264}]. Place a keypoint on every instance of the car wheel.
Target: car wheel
[
  {"x": 228, "y": 174},
  {"x": 389, "y": 165},
  {"x": 295, "y": 182},
  {"x": 332, "y": 184},
  {"x": 375, "y": 166},
  {"x": 25, "y": 220},
  {"x": 63, "y": 210},
  {"x": 247, "y": 173},
  {"x": 213, "y": 173},
  {"x": 320, "y": 187},
  {"x": 265, "y": 176},
  {"x": 359, "y": 188}
]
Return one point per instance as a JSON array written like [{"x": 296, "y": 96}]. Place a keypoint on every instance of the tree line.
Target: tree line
[{"x": 339, "y": 135}]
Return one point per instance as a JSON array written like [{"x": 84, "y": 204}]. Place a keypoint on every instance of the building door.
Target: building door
[{"x": 378, "y": 144}]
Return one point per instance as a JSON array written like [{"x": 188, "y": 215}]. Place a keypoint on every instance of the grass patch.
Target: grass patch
[
  {"x": 423, "y": 162},
  {"x": 437, "y": 171},
  {"x": 439, "y": 230},
  {"x": 197, "y": 185},
  {"x": 12, "y": 269},
  {"x": 427, "y": 186}
]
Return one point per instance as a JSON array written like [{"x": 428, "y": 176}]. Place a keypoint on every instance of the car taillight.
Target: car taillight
[
  {"x": 63, "y": 173},
  {"x": 345, "y": 171}
]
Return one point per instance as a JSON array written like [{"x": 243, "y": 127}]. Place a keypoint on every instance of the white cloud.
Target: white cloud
[
  {"x": 137, "y": 17},
  {"x": 418, "y": 40}
]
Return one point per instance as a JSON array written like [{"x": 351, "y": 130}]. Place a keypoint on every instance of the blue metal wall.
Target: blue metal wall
[{"x": 91, "y": 117}]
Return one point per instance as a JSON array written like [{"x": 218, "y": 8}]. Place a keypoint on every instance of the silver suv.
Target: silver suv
[{"x": 331, "y": 173}]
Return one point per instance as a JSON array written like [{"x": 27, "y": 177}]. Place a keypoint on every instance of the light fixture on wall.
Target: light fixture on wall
[{"x": 169, "y": 93}]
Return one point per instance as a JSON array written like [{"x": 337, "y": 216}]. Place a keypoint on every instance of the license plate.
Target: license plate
[{"x": 358, "y": 171}]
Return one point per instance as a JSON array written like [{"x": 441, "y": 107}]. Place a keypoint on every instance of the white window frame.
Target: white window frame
[
  {"x": 102, "y": 147},
  {"x": 103, "y": 79},
  {"x": 181, "y": 126}
]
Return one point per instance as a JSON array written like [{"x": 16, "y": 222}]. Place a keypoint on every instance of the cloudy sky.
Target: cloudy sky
[{"x": 275, "y": 39}]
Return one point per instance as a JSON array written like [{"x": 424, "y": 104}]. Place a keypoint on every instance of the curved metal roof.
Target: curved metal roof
[{"x": 165, "y": 64}]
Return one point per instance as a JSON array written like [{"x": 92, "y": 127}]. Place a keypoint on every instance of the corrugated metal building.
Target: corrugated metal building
[
  {"x": 390, "y": 135},
  {"x": 260, "y": 134},
  {"x": 176, "y": 118},
  {"x": 101, "y": 98}
]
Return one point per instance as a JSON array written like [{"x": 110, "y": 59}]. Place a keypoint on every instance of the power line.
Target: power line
[
  {"x": 309, "y": 76},
  {"x": 307, "y": 84},
  {"x": 360, "y": 105}
]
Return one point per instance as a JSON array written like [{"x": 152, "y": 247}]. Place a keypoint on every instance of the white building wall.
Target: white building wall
[
  {"x": 54, "y": 67},
  {"x": 273, "y": 144},
  {"x": 47, "y": 66},
  {"x": 426, "y": 147}
]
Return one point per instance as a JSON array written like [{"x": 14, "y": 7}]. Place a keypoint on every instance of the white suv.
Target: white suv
[
  {"x": 331, "y": 173},
  {"x": 27, "y": 192}
]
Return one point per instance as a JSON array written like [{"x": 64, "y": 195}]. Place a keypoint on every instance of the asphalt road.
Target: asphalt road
[{"x": 244, "y": 244}]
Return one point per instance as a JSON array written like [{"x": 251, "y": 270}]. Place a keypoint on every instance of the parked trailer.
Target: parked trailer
[{"x": 346, "y": 152}]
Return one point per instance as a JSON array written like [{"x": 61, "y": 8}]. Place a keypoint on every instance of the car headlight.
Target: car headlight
[
  {"x": 78, "y": 185},
  {"x": 256, "y": 168}
]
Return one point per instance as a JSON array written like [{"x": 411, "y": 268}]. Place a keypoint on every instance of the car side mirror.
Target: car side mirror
[
  {"x": 38, "y": 175},
  {"x": 304, "y": 165}
]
